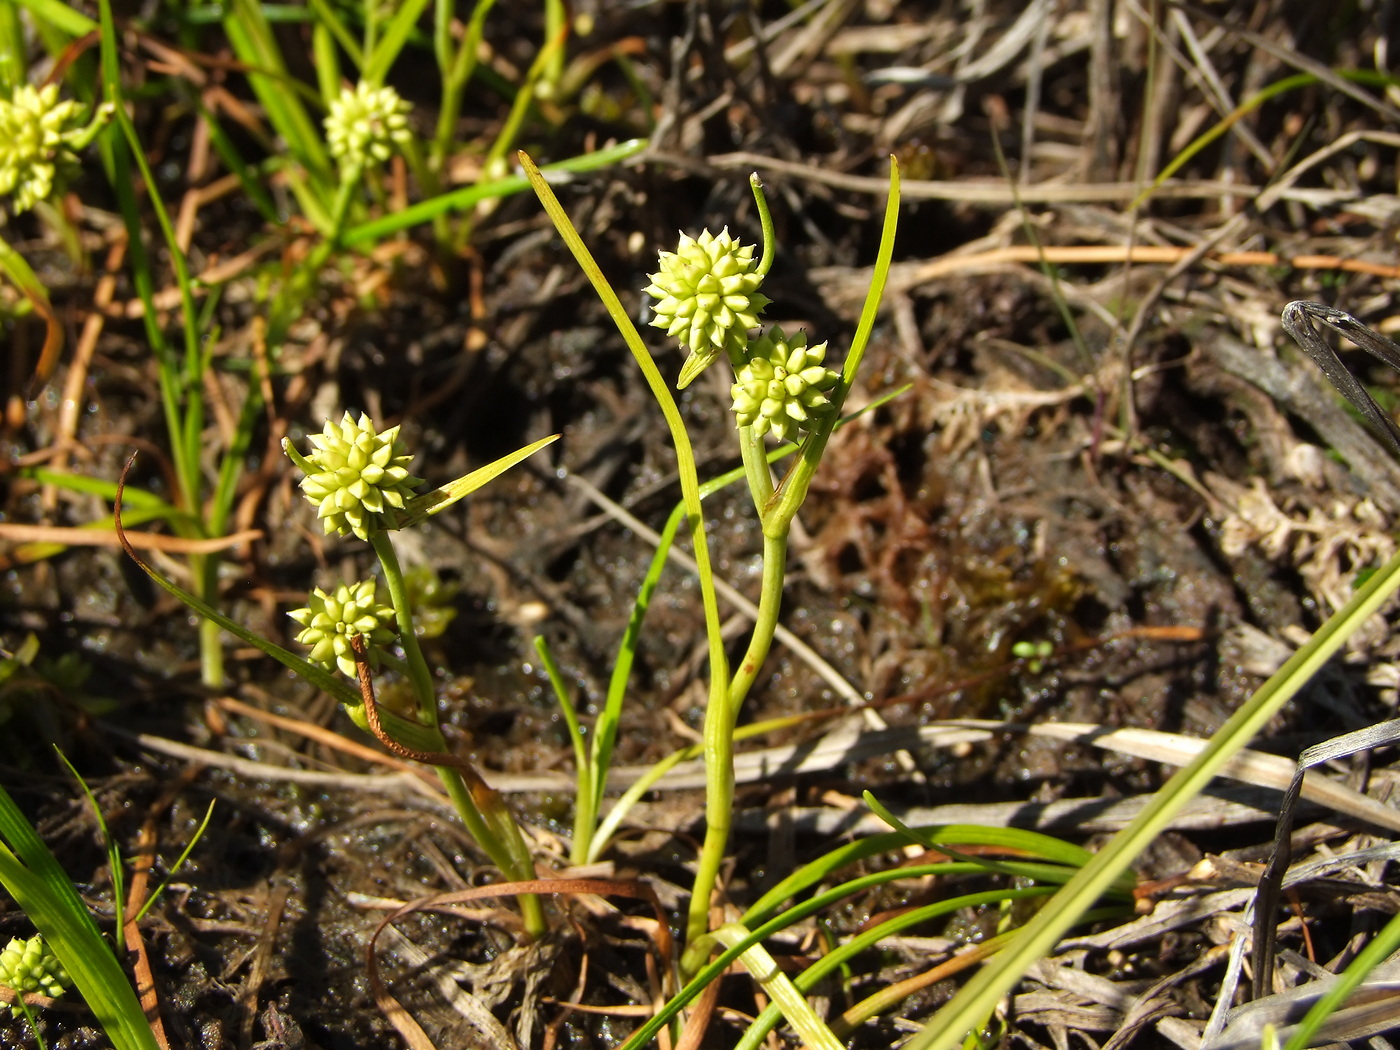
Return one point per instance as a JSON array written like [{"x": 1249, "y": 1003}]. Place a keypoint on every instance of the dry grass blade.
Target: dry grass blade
[
  {"x": 1271, "y": 882},
  {"x": 1298, "y": 318},
  {"x": 400, "y": 1017},
  {"x": 146, "y": 541}
]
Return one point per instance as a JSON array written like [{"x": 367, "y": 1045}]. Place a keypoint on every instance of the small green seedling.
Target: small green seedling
[{"x": 1034, "y": 653}]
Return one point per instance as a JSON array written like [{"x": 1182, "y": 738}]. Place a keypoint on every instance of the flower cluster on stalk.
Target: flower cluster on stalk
[
  {"x": 706, "y": 294},
  {"x": 357, "y": 477},
  {"x": 331, "y": 620},
  {"x": 782, "y": 387},
  {"x": 365, "y": 124},
  {"x": 38, "y": 138},
  {"x": 29, "y": 966}
]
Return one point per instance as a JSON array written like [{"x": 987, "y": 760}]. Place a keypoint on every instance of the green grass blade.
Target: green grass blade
[
  {"x": 524, "y": 99},
  {"x": 456, "y": 69},
  {"x": 233, "y": 458},
  {"x": 253, "y": 41},
  {"x": 831, "y": 962},
  {"x": 327, "y": 62},
  {"x": 396, "y": 34},
  {"x": 14, "y": 70},
  {"x": 1122, "y": 888},
  {"x": 327, "y": 18},
  {"x": 787, "y": 999},
  {"x": 170, "y": 875},
  {"x": 249, "y": 179},
  {"x": 420, "y": 508},
  {"x": 715, "y": 967},
  {"x": 27, "y": 281},
  {"x": 470, "y": 196},
  {"x": 116, "y": 148},
  {"x": 34, "y": 878},
  {"x": 566, "y": 705},
  {"x": 1028, "y": 843},
  {"x": 792, "y": 492},
  {"x": 60, "y": 16},
  {"x": 91, "y": 486},
  {"x": 1371, "y": 956},
  {"x": 968, "y": 1010},
  {"x": 610, "y": 717},
  {"x": 1249, "y": 105}
]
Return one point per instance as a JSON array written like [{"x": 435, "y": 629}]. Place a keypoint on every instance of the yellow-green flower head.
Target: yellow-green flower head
[
  {"x": 331, "y": 620},
  {"x": 29, "y": 966},
  {"x": 706, "y": 290},
  {"x": 35, "y": 138},
  {"x": 356, "y": 477},
  {"x": 783, "y": 385},
  {"x": 365, "y": 124}
]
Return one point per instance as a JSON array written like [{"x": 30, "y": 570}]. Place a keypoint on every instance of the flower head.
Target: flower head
[
  {"x": 330, "y": 620},
  {"x": 357, "y": 477},
  {"x": 30, "y": 966},
  {"x": 36, "y": 139},
  {"x": 707, "y": 293},
  {"x": 366, "y": 123},
  {"x": 783, "y": 385}
]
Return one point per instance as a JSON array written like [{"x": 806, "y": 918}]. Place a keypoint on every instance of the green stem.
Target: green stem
[
  {"x": 205, "y": 569},
  {"x": 482, "y": 810},
  {"x": 756, "y": 469},
  {"x": 418, "y": 673},
  {"x": 770, "y": 600},
  {"x": 765, "y": 220},
  {"x": 496, "y": 831},
  {"x": 349, "y": 179},
  {"x": 720, "y": 719},
  {"x": 723, "y": 713}
]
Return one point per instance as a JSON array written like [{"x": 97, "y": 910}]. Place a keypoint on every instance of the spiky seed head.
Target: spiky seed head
[
  {"x": 36, "y": 140},
  {"x": 706, "y": 292},
  {"x": 30, "y": 966},
  {"x": 357, "y": 477},
  {"x": 329, "y": 621},
  {"x": 366, "y": 124},
  {"x": 782, "y": 387}
]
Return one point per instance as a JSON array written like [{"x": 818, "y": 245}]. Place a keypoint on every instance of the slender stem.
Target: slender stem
[
  {"x": 765, "y": 220},
  {"x": 472, "y": 819},
  {"x": 723, "y": 712},
  {"x": 720, "y": 719},
  {"x": 418, "y": 673},
  {"x": 205, "y": 570},
  {"x": 482, "y": 810},
  {"x": 349, "y": 179},
  {"x": 506, "y": 850},
  {"x": 756, "y": 469},
  {"x": 685, "y": 455},
  {"x": 770, "y": 601}
]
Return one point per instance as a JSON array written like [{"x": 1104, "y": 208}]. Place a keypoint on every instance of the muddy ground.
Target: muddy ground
[{"x": 1155, "y": 491}]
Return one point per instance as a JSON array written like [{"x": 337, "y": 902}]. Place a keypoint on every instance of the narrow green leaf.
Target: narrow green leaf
[
  {"x": 968, "y": 1010},
  {"x": 470, "y": 196},
  {"x": 27, "y": 281},
  {"x": 316, "y": 675},
  {"x": 60, "y": 15},
  {"x": 439, "y": 499},
  {"x": 38, "y": 884},
  {"x": 396, "y": 34}
]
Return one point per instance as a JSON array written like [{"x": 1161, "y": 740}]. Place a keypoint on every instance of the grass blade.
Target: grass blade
[
  {"x": 969, "y": 1009},
  {"x": 33, "y": 877}
]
